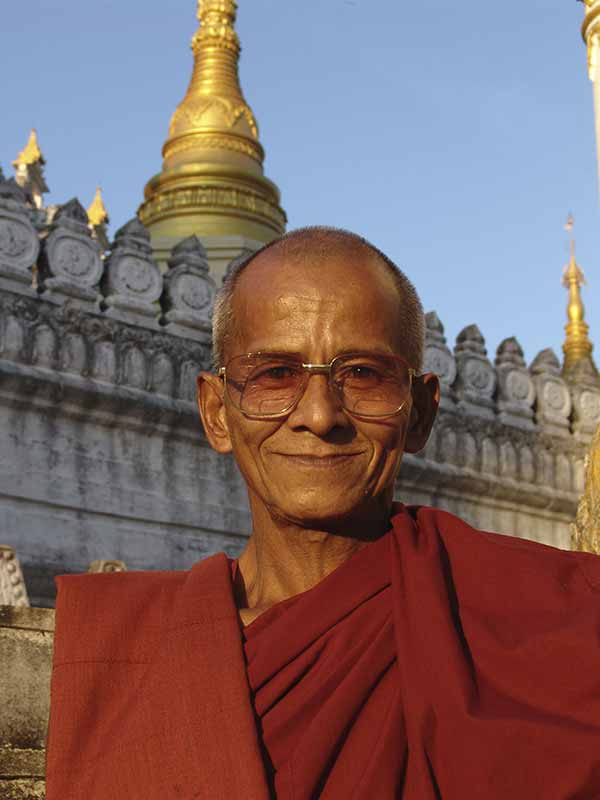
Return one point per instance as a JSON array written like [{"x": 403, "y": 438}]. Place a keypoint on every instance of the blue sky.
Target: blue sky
[{"x": 455, "y": 136}]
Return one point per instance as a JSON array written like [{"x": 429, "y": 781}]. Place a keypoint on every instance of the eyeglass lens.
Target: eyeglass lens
[{"x": 264, "y": 385}]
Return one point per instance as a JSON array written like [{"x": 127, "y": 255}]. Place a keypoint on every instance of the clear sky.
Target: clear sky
[{"x": 456, "y": 136}]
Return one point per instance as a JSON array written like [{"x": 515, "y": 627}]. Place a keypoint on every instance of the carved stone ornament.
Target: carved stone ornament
[
  {"x": 438, "y": 357},
  {"x": 476, "y": 379},
  {"x": 70, "y": 264},
  {"x": 19, "y": 243},
  {"x": 189, "y": 290},
  {"x": 586, "y": 410},
  {"x": 132, "y": 281},
  {"x": 516, "y": 391},
  {"x": 236, "y": 262},
  {"x": 12, "y": 584},
  {"x": 553, "y": 404},
  {"x": 102, "y": 565}
]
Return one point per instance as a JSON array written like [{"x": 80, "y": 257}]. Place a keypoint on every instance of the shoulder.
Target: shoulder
[
  {"x": 118, "y": 615},
  {"x": 502, "y": 553}
]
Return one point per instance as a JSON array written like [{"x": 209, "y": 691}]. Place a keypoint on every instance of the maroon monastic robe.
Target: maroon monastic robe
[{"x": 438, "y": 662}]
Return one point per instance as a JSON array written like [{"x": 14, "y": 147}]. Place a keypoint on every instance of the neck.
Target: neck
[{"x": 284, "y": 558}]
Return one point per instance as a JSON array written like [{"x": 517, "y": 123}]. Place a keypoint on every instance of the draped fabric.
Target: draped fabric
[
  {"x": 323, "y": 672},
  {"x": 438, "y": 662}
]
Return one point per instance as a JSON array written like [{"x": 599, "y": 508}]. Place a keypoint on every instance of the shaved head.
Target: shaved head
[{"x": 318, "y": 245}]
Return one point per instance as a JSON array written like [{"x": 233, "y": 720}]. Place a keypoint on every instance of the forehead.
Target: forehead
[{"x": 344, "y": 300}]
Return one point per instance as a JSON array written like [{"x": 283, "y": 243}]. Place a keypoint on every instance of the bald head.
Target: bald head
[{"x": 316, "y": 247}]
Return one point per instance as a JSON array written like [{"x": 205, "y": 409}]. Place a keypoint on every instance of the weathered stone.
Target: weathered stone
[
  {"x": 19, "y": 243},
  {"x": 101, "y": 565},
  {"x": 189, "y": 291},
  {"x": 243, "y": 256},
  {"x": 70, "y": 263},
  {"x": 13, "y": 591},
  {"x": 476, "y": 380},
  {"x": 26, "y": 659},
  {"x": 437, "y": 356},
  {"x": 132, "y": 282},
  {"x": 516, "y": 392},
  {"x": 553, "y": 400}
]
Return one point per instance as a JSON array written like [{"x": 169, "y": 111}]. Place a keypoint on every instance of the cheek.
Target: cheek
[{"x": 387, "y": 446}]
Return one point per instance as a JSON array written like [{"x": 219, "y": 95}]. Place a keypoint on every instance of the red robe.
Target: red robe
[{"x": 438, "y": 662}]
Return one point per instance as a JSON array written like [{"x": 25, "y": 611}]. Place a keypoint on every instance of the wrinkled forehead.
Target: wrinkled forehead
[{"x": 284, "y": 296}]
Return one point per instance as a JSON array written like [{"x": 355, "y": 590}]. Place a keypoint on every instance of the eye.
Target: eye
[{"x": 274, "y": 374}]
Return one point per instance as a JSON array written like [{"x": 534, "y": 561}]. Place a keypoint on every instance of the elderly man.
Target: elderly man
[{"x": 357, "y": 648}]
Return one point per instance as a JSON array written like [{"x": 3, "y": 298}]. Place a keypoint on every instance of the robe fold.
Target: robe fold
[{"x": 437, "y": 662}]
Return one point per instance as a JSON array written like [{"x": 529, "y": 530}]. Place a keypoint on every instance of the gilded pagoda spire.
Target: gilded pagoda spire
[
  {"x": 577, "y": 346},
  {"x": 212, "y": 182},
  {"x": 97, "y": 213},
  {"x": 31, "y": 153}
]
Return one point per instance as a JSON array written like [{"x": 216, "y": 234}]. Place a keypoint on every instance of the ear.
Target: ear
[
  {"x": 426, "y": 399},
  {"x": 211, "y": 405}
]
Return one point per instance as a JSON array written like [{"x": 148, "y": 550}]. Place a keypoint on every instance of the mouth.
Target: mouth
[{"x": 316, "y": 461}]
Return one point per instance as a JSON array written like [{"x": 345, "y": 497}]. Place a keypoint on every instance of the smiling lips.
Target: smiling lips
[{"x": 314, "y": 460}]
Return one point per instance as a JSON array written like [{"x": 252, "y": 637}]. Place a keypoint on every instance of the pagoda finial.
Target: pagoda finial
[
  {"x": 212, "y": 182},
  {"x": 97, "y": 213},
  {"x": 577, "y": 346},
  {"x": 214, "y": 99},
  {"x": 31, "y": 153}
]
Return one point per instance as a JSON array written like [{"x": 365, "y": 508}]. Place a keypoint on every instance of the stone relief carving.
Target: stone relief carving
[
  {"x": 189, "y": 290},
  {"x": 70, "y": 263},
  {"x": 102, "y": 565},
  {"x": 132, "y": 279},
  {"x": 476, "y": 379},
  {"x": 19, "y": 243},
  {"x": 437, "y": 356},
  {"x": 44, "y": 346},
  {"x": 12, "y": 585},
  {"x": 516, "y": 391},
  {"x": 243, "y": 255},
  {"x": 135, "y": 368},
  {"x": 553, "y": 404}
]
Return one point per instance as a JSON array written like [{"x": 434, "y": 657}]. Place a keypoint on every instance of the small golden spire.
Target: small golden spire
[
  {"x": 577, "y": 345},
  {"x": 31, "y": 153},
  {"x": 97, "y": 213}
]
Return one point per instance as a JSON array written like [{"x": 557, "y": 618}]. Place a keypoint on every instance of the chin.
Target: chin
[{"x": 323, "y": 510}]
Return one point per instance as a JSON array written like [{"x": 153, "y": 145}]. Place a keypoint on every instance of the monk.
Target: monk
[{"x": 358, "y": 648}]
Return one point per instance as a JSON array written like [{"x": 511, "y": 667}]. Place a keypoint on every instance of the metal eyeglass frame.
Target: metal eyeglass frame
[{"x": 317, "y": 369}]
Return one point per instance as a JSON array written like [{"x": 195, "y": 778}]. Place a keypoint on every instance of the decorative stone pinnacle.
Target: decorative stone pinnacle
[
  {"x": 31, "y": 153},
  {"x": 97, "y": 213}
]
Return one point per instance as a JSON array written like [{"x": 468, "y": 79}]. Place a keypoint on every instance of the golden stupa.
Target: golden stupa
[{"x": 212, "y": 182}]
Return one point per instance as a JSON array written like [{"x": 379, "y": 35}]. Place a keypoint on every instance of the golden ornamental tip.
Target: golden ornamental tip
[
  {"x": 577, "y": 345},
  {"x": 97, "y": 213},
  {"x": 31, "y": 153}
]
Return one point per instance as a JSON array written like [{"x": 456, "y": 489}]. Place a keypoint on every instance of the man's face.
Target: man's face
[{"x": 319, "y": 465}]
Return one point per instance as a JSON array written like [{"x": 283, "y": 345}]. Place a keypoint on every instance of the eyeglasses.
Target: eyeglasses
[{"x": 269, "y": 385}]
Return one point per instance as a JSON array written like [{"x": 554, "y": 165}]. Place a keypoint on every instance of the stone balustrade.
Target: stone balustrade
[{"x": 105, "y": 457}]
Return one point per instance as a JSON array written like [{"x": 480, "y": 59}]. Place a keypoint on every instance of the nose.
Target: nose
[{"x": 318, "y": 410}]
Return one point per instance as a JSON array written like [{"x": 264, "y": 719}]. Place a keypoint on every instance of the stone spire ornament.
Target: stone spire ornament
[
  {"x": 189, "y": 292},
  {"x": 29, "y": 169},
  {"x": 132, "y": 281},
  {"x": 212, "y": 183},
  {"x": 99, "y": 219},
  {"x": 70, "y": 264}
]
